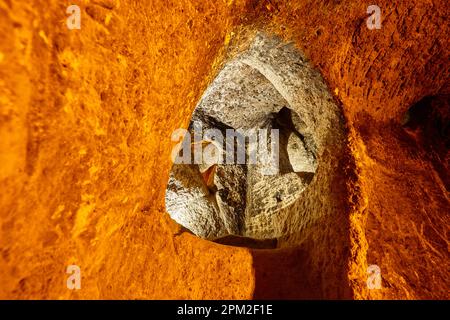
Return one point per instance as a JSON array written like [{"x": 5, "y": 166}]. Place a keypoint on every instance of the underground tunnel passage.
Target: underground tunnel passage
[
  {"x": 263, "y": 143},
  {"x": 86, "y": 118}
]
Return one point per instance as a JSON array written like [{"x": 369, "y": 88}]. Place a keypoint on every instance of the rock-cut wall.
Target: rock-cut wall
[{"x": 86, "y": 117}]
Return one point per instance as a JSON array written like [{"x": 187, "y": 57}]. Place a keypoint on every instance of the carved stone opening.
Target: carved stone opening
[{"x": 269, "y": 93}]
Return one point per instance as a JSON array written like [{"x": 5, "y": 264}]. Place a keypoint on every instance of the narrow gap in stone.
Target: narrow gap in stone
[{"x": 428, "y": 122}]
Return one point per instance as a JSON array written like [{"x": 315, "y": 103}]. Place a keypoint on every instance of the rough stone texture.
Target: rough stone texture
[
  {"x": 195, "y": 198},
  {"x": 248, "y": 199},
  {"x": 85, "y": 124},
  {"x": 240, "y": 97}
]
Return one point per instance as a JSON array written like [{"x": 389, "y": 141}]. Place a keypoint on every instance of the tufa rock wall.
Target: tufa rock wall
[{"x": 85, "y": 123}]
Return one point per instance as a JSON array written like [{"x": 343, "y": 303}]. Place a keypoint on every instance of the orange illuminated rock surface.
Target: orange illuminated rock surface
[{"x": 85, "y": 123}]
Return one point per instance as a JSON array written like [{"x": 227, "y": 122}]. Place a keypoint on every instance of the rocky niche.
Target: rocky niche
[{"x": 268, "y": 130}]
